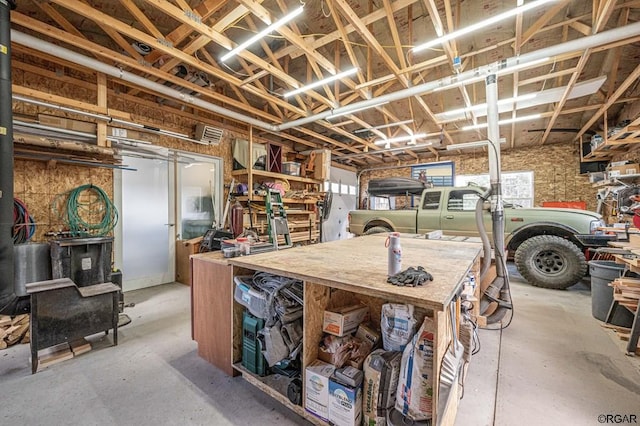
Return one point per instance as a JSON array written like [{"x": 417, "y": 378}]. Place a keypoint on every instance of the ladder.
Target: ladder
[{"x": 277, "y": 223}]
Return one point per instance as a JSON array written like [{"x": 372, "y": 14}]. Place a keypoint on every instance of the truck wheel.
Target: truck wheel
[
  {"x": 549, "y": 261},
  {"x": 376, "y": 230}
]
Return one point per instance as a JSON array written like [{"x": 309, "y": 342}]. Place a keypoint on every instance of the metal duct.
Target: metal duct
[{"x": 8, "y": 298}]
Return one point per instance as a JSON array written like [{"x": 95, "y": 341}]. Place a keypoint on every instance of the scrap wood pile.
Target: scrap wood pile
[
  {"x": 14, "y": 330},
  {"x": 627, "y": 292}
]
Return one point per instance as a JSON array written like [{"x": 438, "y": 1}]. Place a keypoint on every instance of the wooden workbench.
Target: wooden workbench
[{"x": 355, "y": 270}]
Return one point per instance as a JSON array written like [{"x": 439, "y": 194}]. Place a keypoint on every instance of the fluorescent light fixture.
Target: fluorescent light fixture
[
  {"x": 501, "y": 122},
  {"x": 401, "y": 139},
  {"x": 482, "y": 24},
  {"x": 280, "y": 22},
  {"x": 488, "y": 71},
  {"x": 382, "y": 151},
  {"x": 484, "y": 106},
  {"x": 474, "y": 144},
  {"x": 321, "y": 82},
  {"x": 351, "y": 111},
  {"x": 383, "y": 126}
]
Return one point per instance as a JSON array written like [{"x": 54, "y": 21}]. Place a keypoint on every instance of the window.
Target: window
[
  {"x": 517, "y": 187},
  {"x": 380, "y": 203},
  {"x": 462, "y": 200},
  {"x": 431, "y": 200},
  {"x": 439, "y": 174}
]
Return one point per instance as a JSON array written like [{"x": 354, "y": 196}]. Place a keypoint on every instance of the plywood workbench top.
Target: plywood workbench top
[{"x": 360, "y": 265}]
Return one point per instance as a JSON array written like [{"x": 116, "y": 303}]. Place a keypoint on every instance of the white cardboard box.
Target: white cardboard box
[
  {"x": 345, "y": 404},
  {"x": 317, "y": 388},
  {"x": 345, "y": 320}
]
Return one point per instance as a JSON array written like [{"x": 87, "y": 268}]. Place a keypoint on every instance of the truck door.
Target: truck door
[
  {"x": 429, "y": 212},
  {"x": 458, "y": 215}
]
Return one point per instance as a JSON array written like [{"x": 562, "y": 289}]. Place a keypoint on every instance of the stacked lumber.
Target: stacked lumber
[
  {"x": 62, "y": 352},
  {"x": 627, "y": 292},
  {"x": 14, "y": 330}
]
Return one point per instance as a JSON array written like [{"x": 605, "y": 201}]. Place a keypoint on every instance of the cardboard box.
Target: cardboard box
[
  {"x": 316, "y": 395},
  {"x": 67, "y": 123},
  {"x": 626, "y": 169},
  {"x": 345, "y": 404},
  {"x": 184, "y": 249},
  {"x": 345, "y": 320}
]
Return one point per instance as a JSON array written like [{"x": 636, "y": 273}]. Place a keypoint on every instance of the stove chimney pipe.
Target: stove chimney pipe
[{"x": 8, "y": 298}]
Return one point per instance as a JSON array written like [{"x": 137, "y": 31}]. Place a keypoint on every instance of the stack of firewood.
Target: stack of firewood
[
  {"x": 627, "y": 292},
  {"x": 14, "y": 330}
]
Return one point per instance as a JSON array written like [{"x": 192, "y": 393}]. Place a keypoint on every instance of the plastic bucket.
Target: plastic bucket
[{"x": 602, "y": 273}]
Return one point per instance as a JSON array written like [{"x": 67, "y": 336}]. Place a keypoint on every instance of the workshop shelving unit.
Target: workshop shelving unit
[
  {"x": 301, "y": 214},
  {"x": 355, "y": 270},
  {"x": 616, "y": 143}
]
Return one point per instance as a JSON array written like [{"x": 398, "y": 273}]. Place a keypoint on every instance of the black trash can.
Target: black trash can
[{"x": 602, "y": 273}]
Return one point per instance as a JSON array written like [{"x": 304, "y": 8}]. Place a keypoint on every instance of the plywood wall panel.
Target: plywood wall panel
[{"x": 556, "y": 171}]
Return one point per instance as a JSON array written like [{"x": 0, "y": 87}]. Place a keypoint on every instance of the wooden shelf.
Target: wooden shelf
[
  {"x": 284, "y": 200},
  {"x": 613, "y": 144},
  {"x": 267, "y": 384},
  {"x": 611, "y": 181},
  {"x": 275, "y": 176}
]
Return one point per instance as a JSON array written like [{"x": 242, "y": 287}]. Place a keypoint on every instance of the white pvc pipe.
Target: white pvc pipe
[
  {"x": 94, "y": 64},
  {"x": 583, "y": 43},
  {"x": 479, "y": 73}
]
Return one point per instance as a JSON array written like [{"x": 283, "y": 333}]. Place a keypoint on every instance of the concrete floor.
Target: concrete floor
[{"x": 554, "y": 365}]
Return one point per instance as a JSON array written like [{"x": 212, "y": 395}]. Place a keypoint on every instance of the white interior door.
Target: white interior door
[{"x": 145, "y": 238}]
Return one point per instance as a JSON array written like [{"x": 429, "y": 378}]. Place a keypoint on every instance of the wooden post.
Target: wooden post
[{"x": 101, "y": 132}]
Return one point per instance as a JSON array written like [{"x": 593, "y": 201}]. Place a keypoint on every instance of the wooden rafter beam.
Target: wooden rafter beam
[
  {"x": 631, "y": 78},
  {"x": 27, "y": 22},
  {"x": 204, "y": 10},
  {"x": 142, "y": 19},
  {"x": 116, "y": 37},
  {"x": 177, "y": 36},
  {"x": 349, "y": 14},
  {"x": 174, "y": 12},
  {"x": 296, "y": 40},
  {"x": 541, "y": 22},
  {"x": 394, "y": 33},
  {"x": 312, "y": 55},
  {"x": 346, "y": 43},
  {"x": 104, "y": 19}
]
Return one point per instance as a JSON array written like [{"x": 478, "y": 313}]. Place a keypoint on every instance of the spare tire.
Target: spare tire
[
  {"x": 376, "y": 230},
  {"x": 551, "y": 262}
]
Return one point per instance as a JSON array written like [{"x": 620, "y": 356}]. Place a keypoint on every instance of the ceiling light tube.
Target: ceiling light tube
[
  {"x": 280, "y": 22},
  {"x": 354, "y": 110},
  {"x": 382, "y": 151},
  {"x": 401, "y": 139},
  {"x": 474, "y": 144},
  {"x": 479, "y": 25},
  {"x": 321, "y": 82},
  {"x": 502, "y": 122},
  {"x": 484, "y": 106},
  {"x": 383, "y": 126}
]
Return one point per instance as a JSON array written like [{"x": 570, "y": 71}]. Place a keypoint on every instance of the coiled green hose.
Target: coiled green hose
[{"x": 96, "y": 204}]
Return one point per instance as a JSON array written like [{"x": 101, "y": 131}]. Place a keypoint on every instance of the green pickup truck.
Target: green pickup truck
[{"x": 541, "y": 240}]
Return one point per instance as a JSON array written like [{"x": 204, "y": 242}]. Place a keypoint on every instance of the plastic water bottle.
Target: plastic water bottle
[{"x": 394, "y": 253}]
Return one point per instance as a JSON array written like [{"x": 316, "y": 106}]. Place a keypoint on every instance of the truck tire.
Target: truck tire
[
  {"x": 376, "y": 230},
  {"x": 551, "y": 262}
]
